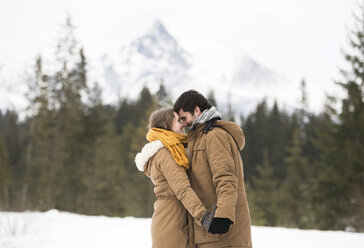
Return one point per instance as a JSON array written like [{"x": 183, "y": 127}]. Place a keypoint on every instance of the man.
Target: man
[{"x": 216, "y": 173}]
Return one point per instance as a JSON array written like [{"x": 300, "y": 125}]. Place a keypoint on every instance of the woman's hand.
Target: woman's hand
[{"x": 208, "y": 217}]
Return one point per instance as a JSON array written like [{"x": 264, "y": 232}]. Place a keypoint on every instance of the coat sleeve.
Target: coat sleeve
[
  {"x": 224, "y": 178},
  {"x": 177, "y": 179}
]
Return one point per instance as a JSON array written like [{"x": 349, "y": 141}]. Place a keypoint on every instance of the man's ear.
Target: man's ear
[{"x": 197, "y": 111}]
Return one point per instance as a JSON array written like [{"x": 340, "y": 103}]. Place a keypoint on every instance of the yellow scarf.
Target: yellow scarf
[{"x": 173, "y": 142}]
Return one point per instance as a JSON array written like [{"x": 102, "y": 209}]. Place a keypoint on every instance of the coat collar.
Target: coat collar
[
  {"x": 230, "y": 127},
  {"x": 148, "y": 151}
]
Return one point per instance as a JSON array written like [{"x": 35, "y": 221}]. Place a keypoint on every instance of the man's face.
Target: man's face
[{"x": 187, "y": 118}]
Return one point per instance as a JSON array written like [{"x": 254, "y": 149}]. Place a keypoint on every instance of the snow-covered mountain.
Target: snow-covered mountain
[
  {"x": 157, "y": 57},
  {"x": 154, "y": 57}
]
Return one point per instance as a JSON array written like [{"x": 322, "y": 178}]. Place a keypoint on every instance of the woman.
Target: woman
[{"x": 164, "y": 160}]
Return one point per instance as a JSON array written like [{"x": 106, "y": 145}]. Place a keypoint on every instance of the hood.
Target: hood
[
  {"x": 234, "y": 130},
  {"x": 148, "y": 151}
]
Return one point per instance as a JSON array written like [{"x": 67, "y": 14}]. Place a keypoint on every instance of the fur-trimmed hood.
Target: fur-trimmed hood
[{"x": 148, "y": 151}]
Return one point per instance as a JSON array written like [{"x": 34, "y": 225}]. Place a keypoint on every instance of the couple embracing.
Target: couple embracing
[{"x": 198, "y": 178}]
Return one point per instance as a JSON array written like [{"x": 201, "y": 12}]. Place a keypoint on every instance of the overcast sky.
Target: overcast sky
[{"x": 297, "y": 38}]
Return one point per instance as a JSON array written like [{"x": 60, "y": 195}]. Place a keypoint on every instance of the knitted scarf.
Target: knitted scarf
[
  {"x": 173, "y": 142},
  {"x": 206, "y": 115}
]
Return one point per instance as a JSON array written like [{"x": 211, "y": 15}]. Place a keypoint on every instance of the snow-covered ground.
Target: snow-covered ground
[{"x": 54, "y": 229}]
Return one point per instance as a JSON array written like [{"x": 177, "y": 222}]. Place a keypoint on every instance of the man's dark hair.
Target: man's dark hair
[{"x": 189, "y": 100}]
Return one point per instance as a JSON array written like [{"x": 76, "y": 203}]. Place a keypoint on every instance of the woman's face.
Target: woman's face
[{"x": 177, "y": 124}]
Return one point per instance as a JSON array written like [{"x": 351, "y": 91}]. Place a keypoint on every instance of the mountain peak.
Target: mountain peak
[
  {"x": 157, "y": 24},
  {"x": 156, "y": 44},
  {"x": 158, "y": 30},
  {"x": 151, "y": 58}
]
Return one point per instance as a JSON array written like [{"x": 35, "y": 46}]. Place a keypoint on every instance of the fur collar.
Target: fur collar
[{"x": 148, "y": 151}]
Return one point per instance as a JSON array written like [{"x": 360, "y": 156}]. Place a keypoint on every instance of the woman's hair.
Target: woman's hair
[{"x": 162, "y": 118}]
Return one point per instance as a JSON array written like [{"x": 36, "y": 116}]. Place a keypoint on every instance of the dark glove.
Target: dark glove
[
  {"x": 220, "y": 225},
  {"x": 207, "y": 218}
]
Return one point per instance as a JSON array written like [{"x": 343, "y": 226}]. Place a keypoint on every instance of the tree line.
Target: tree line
[{"x": 75, "y": 153}]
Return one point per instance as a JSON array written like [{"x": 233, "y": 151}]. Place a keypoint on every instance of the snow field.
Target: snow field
[{"x": 54, "y": 229}]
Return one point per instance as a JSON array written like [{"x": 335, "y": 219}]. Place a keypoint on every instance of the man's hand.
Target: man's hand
[{"x": 220, "y": 225}]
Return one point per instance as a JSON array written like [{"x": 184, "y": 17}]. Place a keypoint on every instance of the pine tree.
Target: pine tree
[
  {"x": 256, "y": 133},
  {"x": 277, "y": 139},
  {"x": 229, "y": 116},
  {"x": 100, "y": 162},
  {"x": 342, "y": 177},
  {"x": 350, "y": 131},
  {"x": 37, "y": 134},
  {"x": 13, "y": 140},
  {"x": 162, "y": 97},
  {"x": 294, "y": 192},
  {"x": 263, "y": 197},
  {"x": 211, "y": 98},
  {"x": 70, "y": 83},
  {"x": 4, "y": 177},
  {"x": 304, "y": 101},
  {"x": 140, "y": 199}
]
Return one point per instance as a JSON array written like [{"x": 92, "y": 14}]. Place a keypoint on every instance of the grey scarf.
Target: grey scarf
[{"x": 206, "y": 115}]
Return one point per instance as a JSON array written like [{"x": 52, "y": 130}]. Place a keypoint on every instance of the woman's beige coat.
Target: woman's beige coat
[
  {"x": 216, "y": 176},
  {"x": 174, "y": 195}
]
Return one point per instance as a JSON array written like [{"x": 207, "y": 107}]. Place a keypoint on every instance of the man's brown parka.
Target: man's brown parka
[{"x": 216, "y": 175}]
